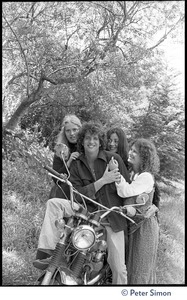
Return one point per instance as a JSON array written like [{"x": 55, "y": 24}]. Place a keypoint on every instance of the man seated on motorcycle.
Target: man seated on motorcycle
[{"x": 91, "y": 176}]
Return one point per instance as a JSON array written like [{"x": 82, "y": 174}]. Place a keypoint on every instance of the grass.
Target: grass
[
  {"x": 25, "y": 191},
  {"x": 170, "y": 268}
]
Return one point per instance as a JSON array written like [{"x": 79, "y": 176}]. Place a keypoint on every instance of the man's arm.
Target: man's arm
[
  {"x": 108, "y": 177},
  {"x": 91, "y": 189}
]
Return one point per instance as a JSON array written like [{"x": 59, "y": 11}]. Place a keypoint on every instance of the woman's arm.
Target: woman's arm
[
  {"x": 142, "y": 184},
  {"x": 122, "y": 167},
  {"x": 58, "y": 165},
  {"x": 73, "y": 156}
]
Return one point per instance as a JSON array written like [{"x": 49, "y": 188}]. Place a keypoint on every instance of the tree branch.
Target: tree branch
[
  {"x": 73, "y": 66},
  {"x": 11, "y": 81},
  {"x": 102, "y": 27},
  {"x": 122, "y": 4},
  {"x": 22, "y": 51},
  {"x": 15, "y": 77},
  {"x": 105, "y": 8},
  {"x": 166, "y": 34}
]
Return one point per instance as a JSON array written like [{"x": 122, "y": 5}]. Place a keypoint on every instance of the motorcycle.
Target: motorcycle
[{"x": 80, "y": 256}]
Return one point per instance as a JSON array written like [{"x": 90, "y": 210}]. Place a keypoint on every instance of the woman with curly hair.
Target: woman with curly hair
[
  {"x": 144, "y": 235},
  {"x": 117, "y": 143}
]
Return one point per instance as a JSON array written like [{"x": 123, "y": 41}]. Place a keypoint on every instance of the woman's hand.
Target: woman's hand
[
  {"x": 73, "y": 156},
  {"x": 131, "y": 211},
  {"x": 113, "y": 164},
  {"x": 111, "y": 176},
  {"x": 151, "y": 211}
]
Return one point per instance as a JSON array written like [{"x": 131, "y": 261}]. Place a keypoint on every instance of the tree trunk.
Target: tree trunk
[
  {"x": 24, "y": 105},
  {"x": 13, "y": 121}
]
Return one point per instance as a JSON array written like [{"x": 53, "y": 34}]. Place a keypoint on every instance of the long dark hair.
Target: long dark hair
[
  {"x": 156, "y": 196},
  {"x": 123, "y": 146}
]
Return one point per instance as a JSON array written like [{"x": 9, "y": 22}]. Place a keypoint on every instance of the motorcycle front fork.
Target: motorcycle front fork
[
  {"x": 58, "y": 256},
  {"x": 56, "y": 261}
]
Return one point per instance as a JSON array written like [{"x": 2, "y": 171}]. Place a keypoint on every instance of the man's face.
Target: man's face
[{"x": 91, "y": 143}]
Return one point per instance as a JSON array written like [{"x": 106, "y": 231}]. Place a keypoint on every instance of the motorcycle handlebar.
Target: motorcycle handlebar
[{"x": 63, "y": 178}]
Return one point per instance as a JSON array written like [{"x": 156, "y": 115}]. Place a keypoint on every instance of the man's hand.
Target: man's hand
[{"x": 111, "y": 176}]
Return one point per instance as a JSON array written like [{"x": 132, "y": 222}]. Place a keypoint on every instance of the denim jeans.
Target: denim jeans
[{"x": 49, "y": 236}]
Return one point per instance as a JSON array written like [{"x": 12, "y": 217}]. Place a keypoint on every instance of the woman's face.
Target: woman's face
[
  {"x": 91, "y": 144},
  {"x": 134, "y": 158},
  {"x": 71, "y": 131},
  {"x": 113, "y": 142}
]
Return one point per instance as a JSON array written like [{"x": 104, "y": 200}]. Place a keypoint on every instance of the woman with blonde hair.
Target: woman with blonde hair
[{"x": 65, "y": 150}]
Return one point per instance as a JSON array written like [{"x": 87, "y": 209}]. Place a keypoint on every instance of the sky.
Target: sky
[{"x": 175, "y": 56}]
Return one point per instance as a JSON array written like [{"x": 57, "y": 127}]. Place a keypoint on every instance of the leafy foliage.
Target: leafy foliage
[
  {"x": 25, "y": 191},
  {"x": 163, "y": 123},
  {"x": 99, "y": 60}
]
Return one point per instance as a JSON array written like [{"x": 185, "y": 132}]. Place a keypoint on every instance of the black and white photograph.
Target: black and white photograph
[{"x": 93, "y": 148}]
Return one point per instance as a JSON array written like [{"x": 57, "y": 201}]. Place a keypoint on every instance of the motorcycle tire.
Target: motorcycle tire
[
  {"x": 54, "y": 281},
  {"x": 107, "y": 278}
]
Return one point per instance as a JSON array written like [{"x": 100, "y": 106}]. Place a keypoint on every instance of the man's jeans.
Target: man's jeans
[{"x": 49, "y": 237}]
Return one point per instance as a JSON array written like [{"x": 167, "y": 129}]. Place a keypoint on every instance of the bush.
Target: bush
[{"x": 25, "y": 191}]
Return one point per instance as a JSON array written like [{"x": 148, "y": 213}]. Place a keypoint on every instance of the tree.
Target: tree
[
  {"x": 163, "y": 123},
  {"x": 62, "y": 43},
  {"x": 100, "y": 60}
]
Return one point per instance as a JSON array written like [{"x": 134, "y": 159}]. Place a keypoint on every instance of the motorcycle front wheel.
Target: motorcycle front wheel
[
  {"x": 55, "y": 280},
  {"x": 106, "y": 278}
]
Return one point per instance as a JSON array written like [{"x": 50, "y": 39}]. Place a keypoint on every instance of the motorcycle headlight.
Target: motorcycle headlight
[{"x": 83, "y": 237}]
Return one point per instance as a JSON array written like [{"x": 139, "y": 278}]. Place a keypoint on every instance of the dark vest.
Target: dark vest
[{"x": 140, "y": 210}]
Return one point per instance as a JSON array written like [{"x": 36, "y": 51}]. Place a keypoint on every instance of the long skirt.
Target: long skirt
[{"x": 142, "y": 253}]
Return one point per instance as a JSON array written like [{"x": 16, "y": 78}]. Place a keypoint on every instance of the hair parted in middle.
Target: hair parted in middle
[
  {"x": 61, "y": 138},
  {"x": 123, "y": 146},
  {"x": 93, "y": 128},
  {"x": 148, "y": 155}
]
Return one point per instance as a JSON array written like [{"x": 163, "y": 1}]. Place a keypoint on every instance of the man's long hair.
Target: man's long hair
[{"x": 92, "y": 128}]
